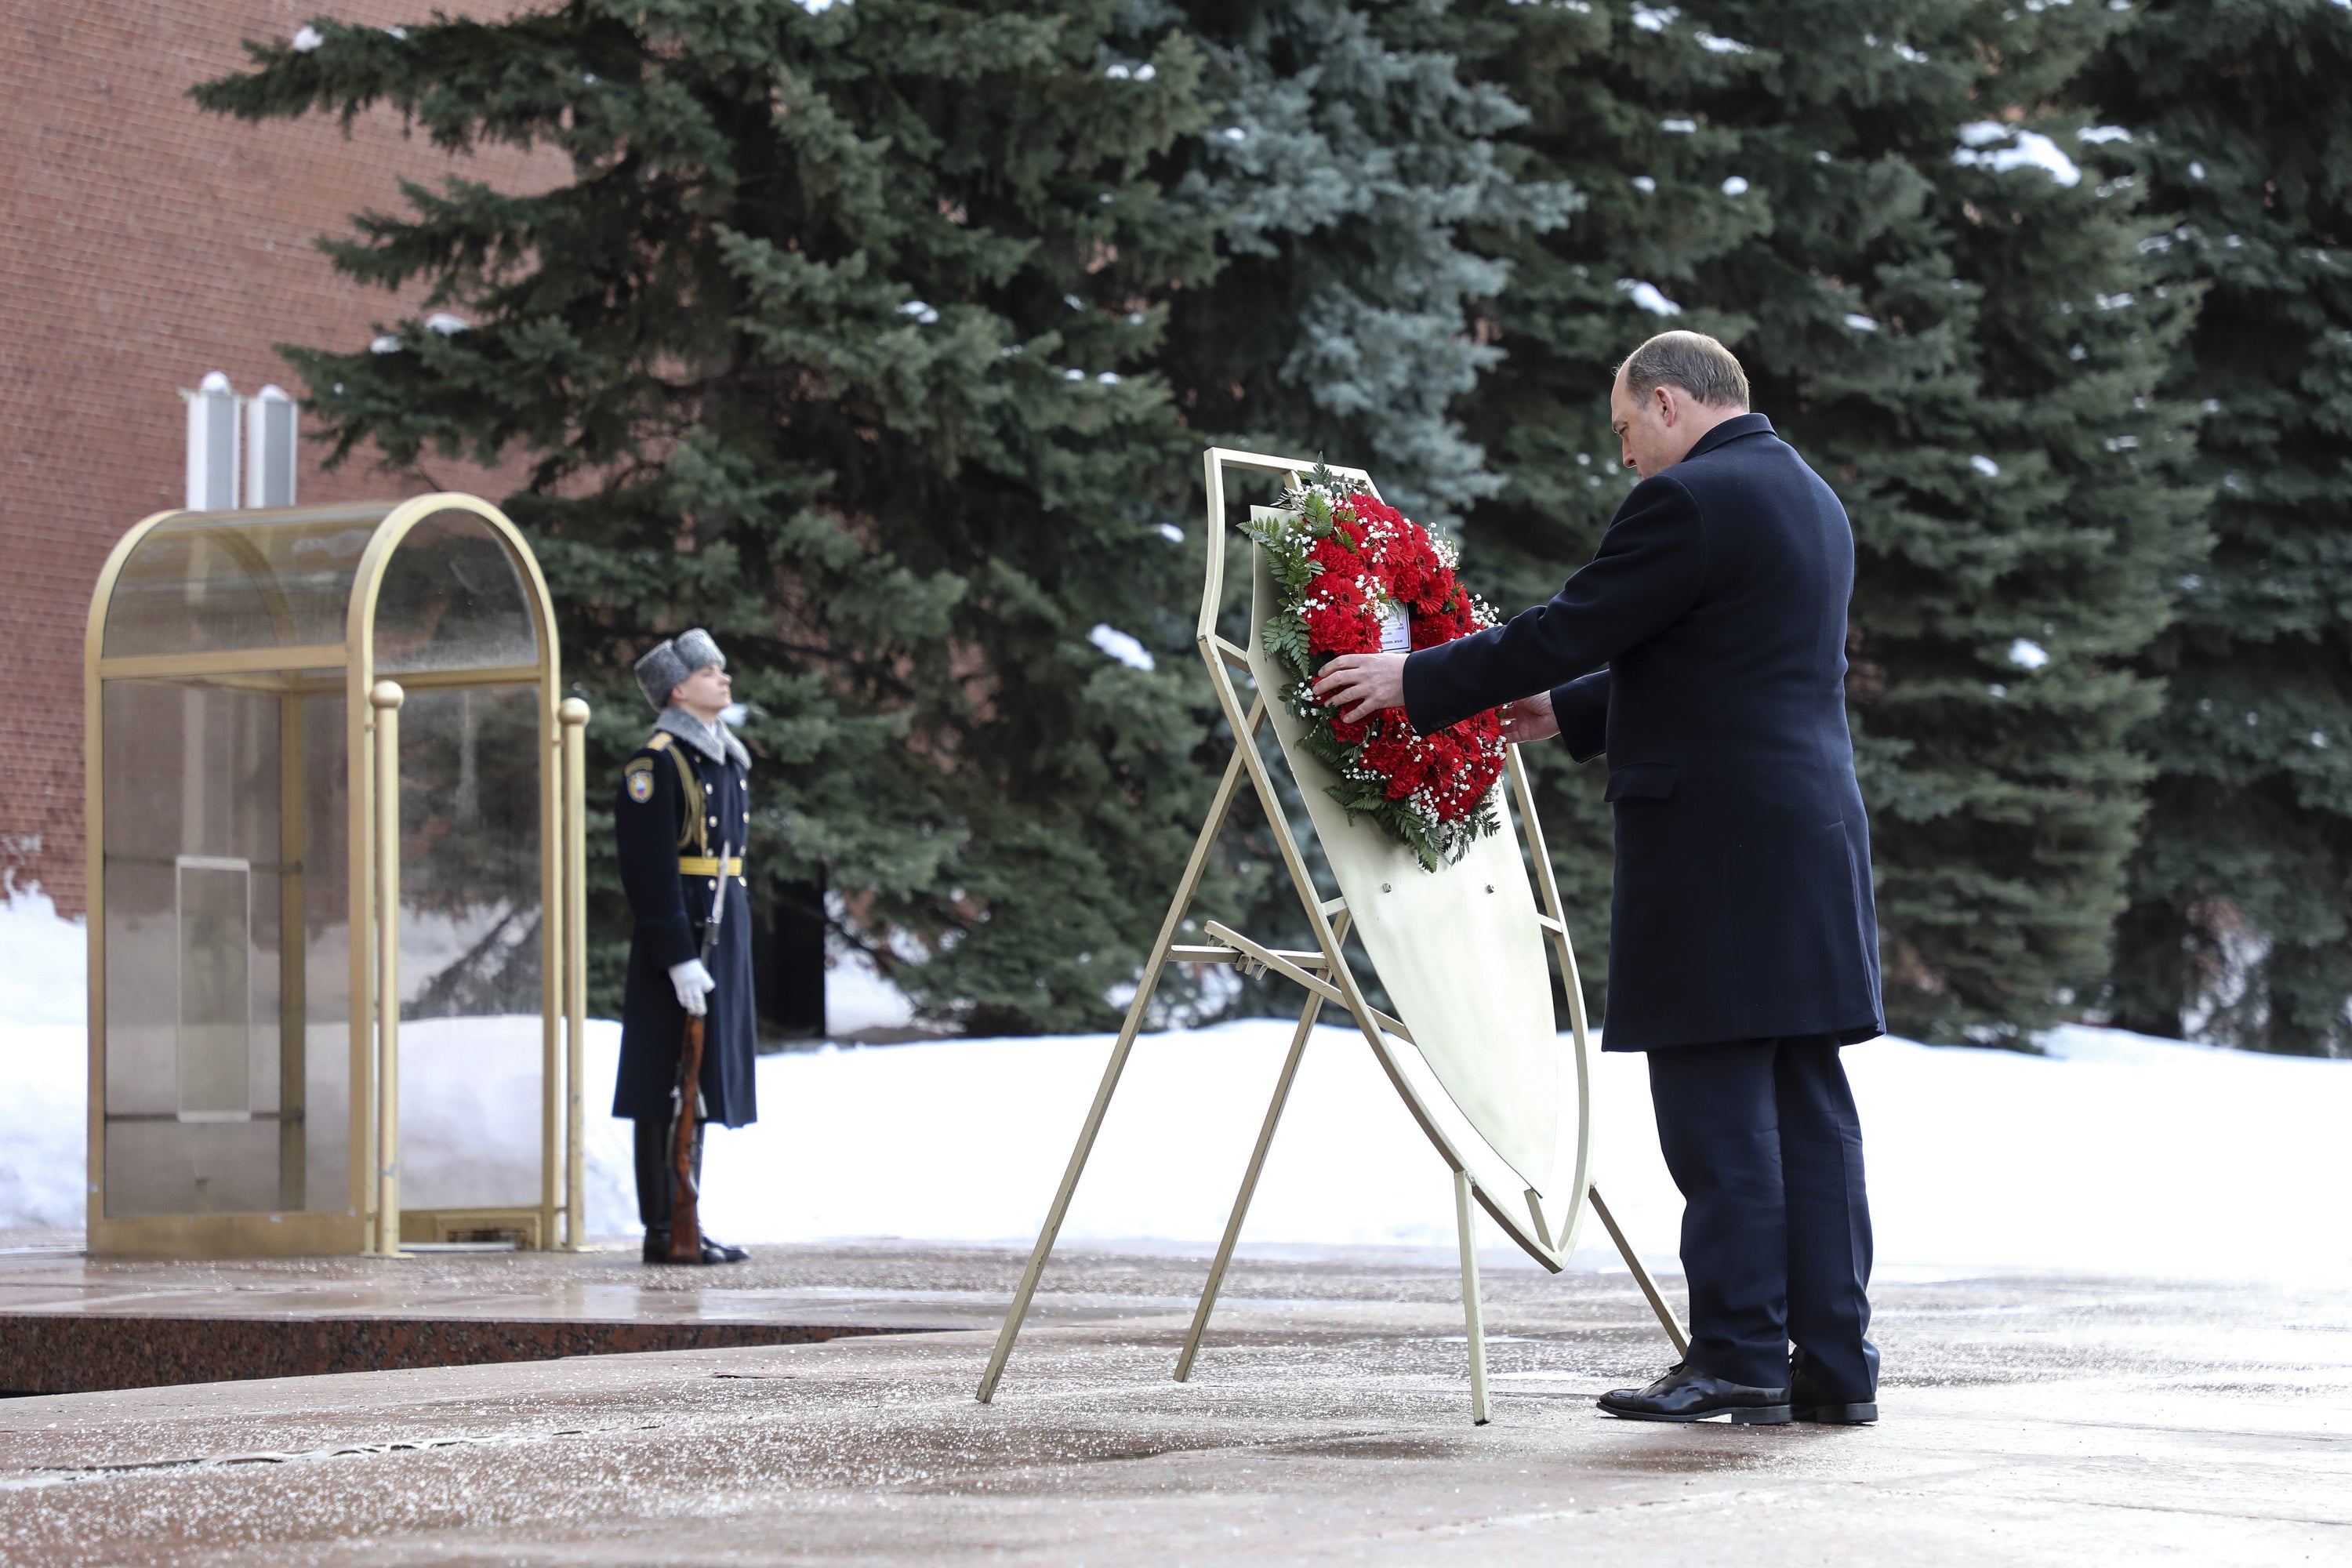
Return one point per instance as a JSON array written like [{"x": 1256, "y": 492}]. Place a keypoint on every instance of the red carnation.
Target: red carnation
[{"x": 1375, "y": 554}]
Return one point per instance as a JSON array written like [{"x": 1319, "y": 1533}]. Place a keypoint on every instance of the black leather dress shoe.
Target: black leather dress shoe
[
  {"x": 1809, "y": 1401},
  {"x": 1687, "y": 1395},
  {"x": 658, "y": 1249}
]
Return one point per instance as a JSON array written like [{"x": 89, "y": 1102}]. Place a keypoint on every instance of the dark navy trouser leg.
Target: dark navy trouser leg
[
  {"x": 656, "y": 1186},
  {"x": 1717, "y": 1129},
  {"x": 1829, "y": 1219},
  {"x": 654, "y": 1193},
  {"x": 1762, "y": 1139}
]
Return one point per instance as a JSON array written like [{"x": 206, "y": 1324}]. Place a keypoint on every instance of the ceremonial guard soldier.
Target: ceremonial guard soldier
[{"x": 683, "y": 814}]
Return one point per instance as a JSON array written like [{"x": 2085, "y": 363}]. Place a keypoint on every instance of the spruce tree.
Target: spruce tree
[
  {"x": 1940, "y": 306},
  {"x": 2241, "y": 924},
  {"x": 1342, "y": 170},
  {"x": 836, "y": 341}
]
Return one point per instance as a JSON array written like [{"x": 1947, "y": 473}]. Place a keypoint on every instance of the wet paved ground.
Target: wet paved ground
[{"x": 2028, "y": 1420}]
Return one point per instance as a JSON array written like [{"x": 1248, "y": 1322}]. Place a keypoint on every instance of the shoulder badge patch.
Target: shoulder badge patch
[{"x": 638, "y": 776}]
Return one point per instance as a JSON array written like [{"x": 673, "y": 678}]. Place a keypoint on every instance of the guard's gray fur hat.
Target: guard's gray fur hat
[{"x": 672, "y": 661}]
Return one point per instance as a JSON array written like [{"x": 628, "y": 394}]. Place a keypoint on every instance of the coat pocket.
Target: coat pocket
[{"x": 1643, "y": 781}]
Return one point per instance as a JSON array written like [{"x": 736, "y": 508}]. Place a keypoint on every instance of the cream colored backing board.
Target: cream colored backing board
[
  {"x": 1475, "y": 1054},
  {"x": 1457, "y": 949}
]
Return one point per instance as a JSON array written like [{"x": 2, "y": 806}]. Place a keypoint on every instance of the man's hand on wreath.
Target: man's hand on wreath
[
  {"x": 1529, "y": 718},
  {"x": 1371, "y": 681}
]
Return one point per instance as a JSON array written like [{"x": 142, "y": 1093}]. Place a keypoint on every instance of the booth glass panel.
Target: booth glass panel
[
  {"x": 452, "y": 598},
  {"x": 216, "y": 581},
  {"x": 216, "y": 1022},
  {"x": 470, "y": 963},
  {"x": 325, "y": 1079},
  {"x": 192, "y": 947},
  {"x": 208, "y": 1092}
]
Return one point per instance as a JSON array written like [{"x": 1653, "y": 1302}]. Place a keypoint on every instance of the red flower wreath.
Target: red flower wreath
[{"x": 1342, "y": 561}]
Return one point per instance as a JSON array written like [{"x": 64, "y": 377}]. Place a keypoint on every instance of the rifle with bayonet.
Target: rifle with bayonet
[{"x": 686, "y": 1096}]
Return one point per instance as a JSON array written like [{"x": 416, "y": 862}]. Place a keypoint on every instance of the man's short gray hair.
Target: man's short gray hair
[{"x": 1692, "y": 361}]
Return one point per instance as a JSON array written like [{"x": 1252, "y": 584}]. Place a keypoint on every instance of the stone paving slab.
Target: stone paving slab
[
  {"x": 71, "y": 1324},
  {"x": 2028, "y": 1421}
]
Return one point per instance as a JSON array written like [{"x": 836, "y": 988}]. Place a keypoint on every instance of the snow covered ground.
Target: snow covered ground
[{"x": 2115, "y": 1153}]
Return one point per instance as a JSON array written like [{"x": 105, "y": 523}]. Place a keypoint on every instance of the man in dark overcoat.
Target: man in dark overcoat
[
  {"x": 1702, "y": 650},
  {"x": 683, "y": 814}
]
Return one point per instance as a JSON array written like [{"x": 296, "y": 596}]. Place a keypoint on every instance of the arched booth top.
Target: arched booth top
[
  {"x": 333, "y": 789},
  {"x": 435, "y": 583}
]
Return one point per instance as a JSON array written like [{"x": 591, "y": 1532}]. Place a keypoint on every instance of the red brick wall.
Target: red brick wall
[{"x": 142, "y": 244}]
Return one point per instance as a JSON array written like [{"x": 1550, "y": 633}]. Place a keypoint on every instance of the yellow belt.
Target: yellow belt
[{"x": 708, "y": 865}]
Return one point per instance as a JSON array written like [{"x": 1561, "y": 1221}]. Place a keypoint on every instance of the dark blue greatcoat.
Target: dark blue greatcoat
[
  {"x": 1717, "y": 604},
  {"x": 655, "y": 814}
]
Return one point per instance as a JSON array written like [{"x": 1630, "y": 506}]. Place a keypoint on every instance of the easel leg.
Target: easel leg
[
  {"x": 1249, "y": 1186},
  {"x": 1473, "y": 1313},
  {"x": 1148, "y": 983},
  {"x": 1640, "y": 1275}
]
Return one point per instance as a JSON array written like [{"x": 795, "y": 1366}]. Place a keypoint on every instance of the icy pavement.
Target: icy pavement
[
  {"x": 72, "y": 1324},
  {"x": 2028, "y": 1420}
]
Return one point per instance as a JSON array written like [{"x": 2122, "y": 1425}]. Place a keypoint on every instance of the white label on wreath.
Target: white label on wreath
[{"x": 1396, "y": 630}]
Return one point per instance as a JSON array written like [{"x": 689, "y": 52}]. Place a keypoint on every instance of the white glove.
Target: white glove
[{"x": 692, "y": 982}]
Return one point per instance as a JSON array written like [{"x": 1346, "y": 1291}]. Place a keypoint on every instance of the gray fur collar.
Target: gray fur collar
[{"x": 676, "y": 720}]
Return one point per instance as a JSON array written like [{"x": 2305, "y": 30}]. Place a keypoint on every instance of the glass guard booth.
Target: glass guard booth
[{"x": 335, "y": 870}]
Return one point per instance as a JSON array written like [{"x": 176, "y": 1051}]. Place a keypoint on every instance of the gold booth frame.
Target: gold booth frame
[{"x": 371, "y": 1220}]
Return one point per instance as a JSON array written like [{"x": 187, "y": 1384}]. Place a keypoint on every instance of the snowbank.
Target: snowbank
[
  {"x": 2115, "y": 1154},
  {"x": 44, "y": 1100},
  {"x": 44, "y": 1062},
  {"x": 44, "y": 964}
]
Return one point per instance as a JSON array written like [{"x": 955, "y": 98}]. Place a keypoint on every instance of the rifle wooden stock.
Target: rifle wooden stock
[{"x": 686, "y": 1219}]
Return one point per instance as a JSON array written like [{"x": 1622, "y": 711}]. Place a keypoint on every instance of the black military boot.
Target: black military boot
[
  {"x": 1687, "y": 1395},
  {"x": 658, "y": 1249}
]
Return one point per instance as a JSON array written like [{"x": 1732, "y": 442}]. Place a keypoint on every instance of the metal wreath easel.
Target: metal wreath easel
[{"x": 1325, "y": 976}]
